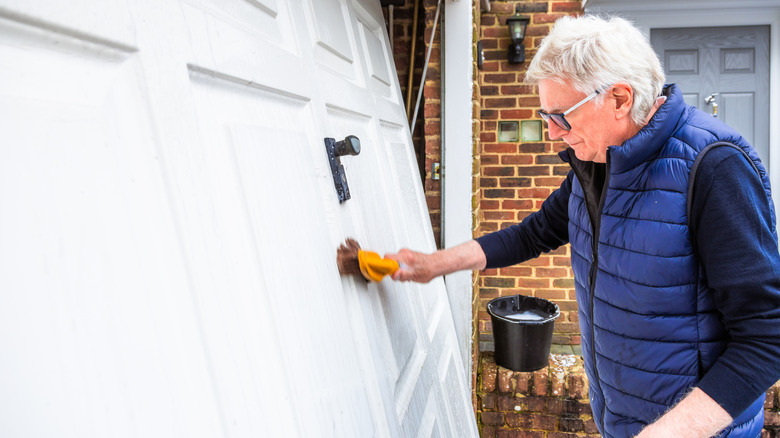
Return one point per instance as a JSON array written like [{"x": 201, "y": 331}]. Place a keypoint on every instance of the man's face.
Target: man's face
[{"x": 593, "y": 126}]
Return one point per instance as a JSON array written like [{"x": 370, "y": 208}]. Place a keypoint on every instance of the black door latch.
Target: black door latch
[{"x": 336, "y": 149}]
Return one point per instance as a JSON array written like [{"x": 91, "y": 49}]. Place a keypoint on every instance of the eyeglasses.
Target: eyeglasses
[{"x": 560, "y": 119}]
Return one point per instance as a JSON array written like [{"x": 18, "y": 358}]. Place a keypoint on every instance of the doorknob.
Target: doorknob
[
  {"x": 335, "y": 150},
  {"x": 710, "y": 100}
]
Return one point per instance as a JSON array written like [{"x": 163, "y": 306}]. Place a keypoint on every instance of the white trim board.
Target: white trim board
[{"x": 457, "y": 159}]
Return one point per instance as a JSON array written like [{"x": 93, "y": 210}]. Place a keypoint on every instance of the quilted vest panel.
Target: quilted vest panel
[{"x": 649, "y": 326}]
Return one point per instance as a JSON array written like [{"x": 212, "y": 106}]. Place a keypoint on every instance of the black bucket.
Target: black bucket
[{"x": 522, "y": 331}]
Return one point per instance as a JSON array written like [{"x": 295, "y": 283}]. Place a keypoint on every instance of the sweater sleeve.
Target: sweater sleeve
[
  {"x": 542, "y": 231},
  {"x": 739, "y": 255}
]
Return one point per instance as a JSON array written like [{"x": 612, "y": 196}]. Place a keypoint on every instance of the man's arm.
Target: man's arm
[
  {"x": 739, "y": 255},
  {"x": 542, "y": 231},
  {"x": 422, "y": 268}
]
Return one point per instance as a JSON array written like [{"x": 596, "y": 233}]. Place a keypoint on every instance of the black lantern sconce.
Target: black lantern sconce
[{"x": 517, "y": 25}]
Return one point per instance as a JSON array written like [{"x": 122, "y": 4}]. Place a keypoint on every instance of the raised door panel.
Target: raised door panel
[{"x": 95, "y": 327}]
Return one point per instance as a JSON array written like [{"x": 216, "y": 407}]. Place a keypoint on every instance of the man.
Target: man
[{"x": 678, "y": 295}]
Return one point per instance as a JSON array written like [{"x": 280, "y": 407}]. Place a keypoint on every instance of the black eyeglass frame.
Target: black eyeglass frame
[{"x": 560, "y": 118}]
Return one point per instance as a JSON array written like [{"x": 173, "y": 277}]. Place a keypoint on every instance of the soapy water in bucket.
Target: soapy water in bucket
[{"x": 526, "y": 315}]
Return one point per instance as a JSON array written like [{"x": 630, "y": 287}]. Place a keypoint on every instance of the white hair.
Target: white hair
[{"x": 591, "y": 53}]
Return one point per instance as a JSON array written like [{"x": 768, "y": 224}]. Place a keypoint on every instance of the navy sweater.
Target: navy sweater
[{"x": 736, "y": 247}]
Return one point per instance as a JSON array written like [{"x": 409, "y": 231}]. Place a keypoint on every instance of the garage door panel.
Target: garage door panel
[
  {"x": 88, "y": 213},
  {"x": 378, "y": 62},
  {"x": 242, "y": 41},
  {"x": 107, "y": 21},
  {"x": 430, "y": 426},
  {"x": 175, "y": 224},
  {"x": 273, "y": 155},
  {"x": 332, "y": 39}
]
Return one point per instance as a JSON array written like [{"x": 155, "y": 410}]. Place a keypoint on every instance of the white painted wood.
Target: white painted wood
[
  {"x": 457, "y": 161},
  {"x": 167, "y": 260},
  {"x": 712, "y": 13}
]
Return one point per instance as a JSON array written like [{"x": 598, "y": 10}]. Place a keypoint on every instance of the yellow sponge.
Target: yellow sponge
[{"x": 373, "y": 267}]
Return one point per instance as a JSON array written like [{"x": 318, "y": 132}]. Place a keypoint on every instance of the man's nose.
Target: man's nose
[{"x": 555, "y": 131}]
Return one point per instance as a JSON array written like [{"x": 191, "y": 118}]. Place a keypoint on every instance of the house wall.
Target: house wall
[
  {"x": 512, "y": 180},
  {"x": 518, "y": 176}
]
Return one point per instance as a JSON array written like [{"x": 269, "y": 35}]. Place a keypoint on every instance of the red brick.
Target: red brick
[
  {"x": 590, "y": 427},
  {"x": 499, "y": 78},
  {"x": 508, "y": 403},
  {"x": 488, "y": 182},
  {"x": 541, "y": 379},
  {"x": 771, "y": 418},
  {"x": 561, "y": 435},
  {"x": 563, "y": 407},
  {"x": 519, "y": 434},
  {"x": 534, "y": 192},
  {"x": 498, "y": 193},
  {"x": 500, "y": 148},
  {"x": 532, "y": 102},
  {"x": 518, "y": 160},
  {"x": 489, "y": 375},
  {"x": 488, "y": 137},
  {"x": 516, "y": 114},
  {"x": 515, "y": 182},
  {"x": 771, "y": 398},
  {"x": 564, "y": 283},
  {"x": 498, "y": 215},
  {"x": 566, "y": 7},
  {"x": 533, "y": 170},
  {"x": 515, "y": 89},
  {"x": 493, "y": 418},
  {"x": 546, "y": 18},
  {"x": 506, "y": 377},
  {"x": 486, "y": 227},
  {"x": 488, "y": 401},
  {"x": 523, "y": 383},
  {"x": 500, "y": 102},
  {"x": 570, "y": 424},
  {"x": 489, "y": 205},
  {"x": 541, "y": 421},
  {"x": 517, "y": 204},
  {"x": 489, "y": 159},
  {"x": 515, "y": 270},
  {"x": 518, "y": 420},
  {"x": 533, "y": 148},
  {"x": 534, "y": 283}
]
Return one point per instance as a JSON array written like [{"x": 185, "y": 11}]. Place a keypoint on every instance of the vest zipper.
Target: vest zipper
[
  {"x": 594, "y": 269},
  {"x": 596, "y": 229}
]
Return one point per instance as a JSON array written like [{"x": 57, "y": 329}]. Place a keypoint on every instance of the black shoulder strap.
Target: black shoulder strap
[{"x": 695, "y": 167}]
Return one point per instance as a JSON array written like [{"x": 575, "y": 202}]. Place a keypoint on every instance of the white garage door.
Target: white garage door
[{"x": 169, "y": 226}]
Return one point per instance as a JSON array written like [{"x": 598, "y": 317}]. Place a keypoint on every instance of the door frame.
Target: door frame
[
  {"x": 713, "y": 13},
  {"x": 457, "y": 162}
]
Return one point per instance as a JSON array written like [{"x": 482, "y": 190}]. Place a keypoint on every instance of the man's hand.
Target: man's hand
[
  {"x": 696, "y": 416},
  {"x": 415, "y": 266},
  {"x": 422, "y": 268}
]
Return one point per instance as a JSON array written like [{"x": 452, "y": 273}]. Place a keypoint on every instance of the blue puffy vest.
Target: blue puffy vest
[{"x": 649, "y": 326}]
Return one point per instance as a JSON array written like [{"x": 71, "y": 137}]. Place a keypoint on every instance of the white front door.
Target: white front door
[{"x": 170, "y": 225}]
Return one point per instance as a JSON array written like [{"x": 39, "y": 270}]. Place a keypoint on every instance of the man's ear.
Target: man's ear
[{"x": 623, "y": 96}]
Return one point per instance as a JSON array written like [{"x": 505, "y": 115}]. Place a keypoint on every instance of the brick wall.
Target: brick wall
[
  {"x": 553, "y": 402},
  {"x": 549, "y": 403},
  {"x": 516, "y": 177}
]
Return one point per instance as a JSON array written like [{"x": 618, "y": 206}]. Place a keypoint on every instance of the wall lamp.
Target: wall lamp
[{"x": 517, "y": 25}]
